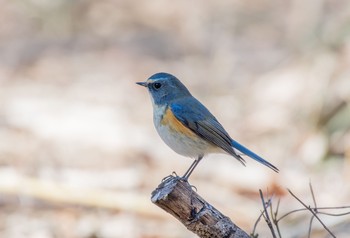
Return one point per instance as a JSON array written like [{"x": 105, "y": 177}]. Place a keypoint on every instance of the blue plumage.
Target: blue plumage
[
  {"x": 252, "y": 155},
  {"x": 210, "y": 136}
]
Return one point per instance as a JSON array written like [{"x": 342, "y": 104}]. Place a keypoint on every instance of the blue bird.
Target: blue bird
[{"x": 187, "y": 126}]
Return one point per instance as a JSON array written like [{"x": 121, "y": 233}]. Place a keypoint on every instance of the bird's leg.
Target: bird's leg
[{"x": 191, "y": 168}]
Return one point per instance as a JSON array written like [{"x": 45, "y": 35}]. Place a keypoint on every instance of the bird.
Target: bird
[{"x": 187, "y": 126}]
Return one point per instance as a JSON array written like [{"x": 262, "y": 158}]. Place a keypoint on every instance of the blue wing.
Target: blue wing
[{"x": 197, "y": 117}]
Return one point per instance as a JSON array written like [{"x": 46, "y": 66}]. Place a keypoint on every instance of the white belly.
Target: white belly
[{"x": 180, "y": 143}]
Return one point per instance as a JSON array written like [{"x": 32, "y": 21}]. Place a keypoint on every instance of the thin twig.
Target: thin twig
[
  {"x": 313, "y": 213},
  {"x": 277, "y": 208},
  {"x": 313, "y": 196},
  {"x": 334, "y": 215},
  {"x": 267, "y": 218},
  {"x": 259, "y": 218},
  {"x": 319, "y": 208},
  {"x": 315, "y": 209},
  {"x": 274, "y": 218},
  {"x": 256, "y": 224},
  {"x": 310, "y": 226}
]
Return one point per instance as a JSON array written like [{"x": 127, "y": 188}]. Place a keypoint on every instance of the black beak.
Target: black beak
[{"x": 142, "y": 84}]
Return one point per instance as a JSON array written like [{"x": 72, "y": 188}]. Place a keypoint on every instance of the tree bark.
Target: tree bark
[{"x": 177, "y": 197}]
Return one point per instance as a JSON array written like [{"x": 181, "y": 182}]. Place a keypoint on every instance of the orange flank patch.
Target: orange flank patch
[{"x": 174, "y": 124}]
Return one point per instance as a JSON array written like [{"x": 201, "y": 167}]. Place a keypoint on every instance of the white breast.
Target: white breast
[{"x": 180, "y": 143}]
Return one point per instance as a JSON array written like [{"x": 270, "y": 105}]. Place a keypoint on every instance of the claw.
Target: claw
[{"x": 172, "y": 175}]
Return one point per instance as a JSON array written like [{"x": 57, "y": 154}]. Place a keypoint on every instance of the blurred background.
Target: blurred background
[{"x": 79, "y": 156}]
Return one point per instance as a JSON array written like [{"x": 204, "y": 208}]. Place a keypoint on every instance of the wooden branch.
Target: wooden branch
[{"x": 177, "y": 197}]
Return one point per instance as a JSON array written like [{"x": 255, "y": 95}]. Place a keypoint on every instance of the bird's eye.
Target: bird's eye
[{"x": 157, "y": 85}]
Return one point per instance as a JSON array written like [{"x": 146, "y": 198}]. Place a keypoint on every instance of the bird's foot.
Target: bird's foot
[{"x": 172, "y": 175}]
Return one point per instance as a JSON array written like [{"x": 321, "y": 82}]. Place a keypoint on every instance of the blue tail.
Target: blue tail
[{"x": 252, "y": 155}]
